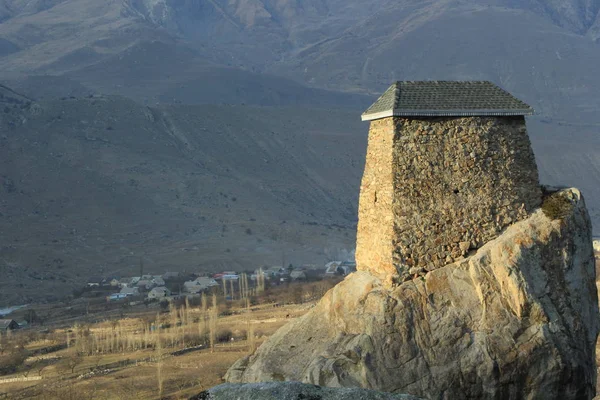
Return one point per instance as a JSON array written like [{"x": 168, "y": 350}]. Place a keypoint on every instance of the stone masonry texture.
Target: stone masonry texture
[{"x": 436, "y": 188}]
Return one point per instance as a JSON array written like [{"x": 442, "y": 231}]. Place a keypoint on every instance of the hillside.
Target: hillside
[
  {"x": 95, "y": 182},
  {"x": 94, "y": 185},
  {"x": 177, "y": 51}
]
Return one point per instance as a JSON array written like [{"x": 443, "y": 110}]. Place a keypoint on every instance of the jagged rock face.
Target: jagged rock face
[
  {"x": 293, "y": 390},
  {"x": 517, "y": 319}
]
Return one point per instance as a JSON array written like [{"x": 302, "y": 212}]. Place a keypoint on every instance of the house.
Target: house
[
  {"x": 158, "y": 280},
  {"x": 7, "y": 325},
  {"x": 94, "y": 281},
  {"x": 134, "y": 281},
  {"x": 331, "y": 267},
  {"x": 199, "y": 285},
  {"x": 440, "y": 135},
  {"x": 128, "y": 282},
  {"x": 145, "y": 284},
  {"x": 596, "y": 244},
  {"x": 124, "y": 282},
  {"x": 111, "y": 281},
  {"x": 206, "y": 281},
  {"x": 192, "y": 287},
  {"x": 159, "y": 293},
  {"x": 298, "y": 275},
  {"x": 130, "y": 291}
]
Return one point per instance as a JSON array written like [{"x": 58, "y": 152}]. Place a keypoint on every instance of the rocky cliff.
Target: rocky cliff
[{"x": 518, "y": 318}]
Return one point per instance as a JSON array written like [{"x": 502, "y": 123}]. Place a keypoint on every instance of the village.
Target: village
[
  {"x": 231, "y": 284},
  {"x": 169, "y": 335},
  {"x": 149, "y": 290}
]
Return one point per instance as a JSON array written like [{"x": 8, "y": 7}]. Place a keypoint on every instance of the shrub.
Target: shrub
[
  {"x": 10, "y": 363},
  {"x": 556, "y": 206},
  {"x": 164, "y": 304},
  {"x": 224, "y": 335},
  {"x": 195, "y": 339}
]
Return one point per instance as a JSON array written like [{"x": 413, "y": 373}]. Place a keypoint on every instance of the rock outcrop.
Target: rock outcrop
[
  {"x": 293, "y": 390},
  {"x": 518, "y": 318}
]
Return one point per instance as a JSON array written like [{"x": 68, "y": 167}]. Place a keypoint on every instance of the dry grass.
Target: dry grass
[{"x": 181, "y": 376}]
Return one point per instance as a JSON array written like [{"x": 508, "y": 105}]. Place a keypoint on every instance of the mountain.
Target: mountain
[
  {"x": 94, "y": 185},
  {"x": 116, "y": 50},
  {"x": 256, "y": 100},
  {"x": 266, "y": 51},
  {"x": 91, "y": 186}
]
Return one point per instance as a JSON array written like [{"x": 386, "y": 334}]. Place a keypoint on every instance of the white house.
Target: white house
[
  {"x": 159, "y": 293},
  {"x": 112, "y": 281},
  {"x": 134, "y": 280},
  {"x": 296, "y": 275},
  {"x": 158, "y": 280},
  {"x": 198, "y": 285},
  {"x": 125, "y": 282},
  {"x": 145, "y": 284},
  {"x": 206, "y": 281},
  {"x": 331, "y": 267}
]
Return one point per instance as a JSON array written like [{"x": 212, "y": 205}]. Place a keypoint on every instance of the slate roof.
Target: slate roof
[
  {"x": 445, "y": 98},
  {"x": 8, "y": 324}
]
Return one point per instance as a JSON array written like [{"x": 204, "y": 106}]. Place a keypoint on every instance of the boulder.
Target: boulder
[
  {"x": 293, "y": 391},
  {"x": 516, "y": 319}
]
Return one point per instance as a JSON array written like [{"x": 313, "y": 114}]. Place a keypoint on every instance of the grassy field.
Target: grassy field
[{"x": 151, "y": 353}]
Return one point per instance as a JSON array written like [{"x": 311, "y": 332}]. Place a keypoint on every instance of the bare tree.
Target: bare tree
[
  {"x": 214, "y": 312},
  {"x": 159, "y": 374},
  {"x": 73, "y": 360}
]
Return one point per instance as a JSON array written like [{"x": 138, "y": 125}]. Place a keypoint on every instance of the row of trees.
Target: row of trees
[{"x": 181, "y": 326}]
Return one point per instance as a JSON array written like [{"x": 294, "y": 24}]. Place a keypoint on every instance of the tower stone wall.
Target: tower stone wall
[{"x": 436, "y": 188}]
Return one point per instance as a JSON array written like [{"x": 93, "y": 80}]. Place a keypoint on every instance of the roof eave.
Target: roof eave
[{"x": 447, "y": 113}]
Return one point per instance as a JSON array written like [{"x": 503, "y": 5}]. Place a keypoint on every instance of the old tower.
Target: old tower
[{"x": 449, "y": 166}]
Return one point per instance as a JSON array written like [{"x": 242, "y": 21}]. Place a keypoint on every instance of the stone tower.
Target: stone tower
[{"x": 449, "y": 166}]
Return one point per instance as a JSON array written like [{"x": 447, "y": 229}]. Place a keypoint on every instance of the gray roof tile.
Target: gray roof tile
[
  {"x": 445, "y": 98},
  {"x": 5, "y": 323}
]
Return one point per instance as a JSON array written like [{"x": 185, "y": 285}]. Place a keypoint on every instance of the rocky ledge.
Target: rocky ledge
[{"x": 516, "y": 319}]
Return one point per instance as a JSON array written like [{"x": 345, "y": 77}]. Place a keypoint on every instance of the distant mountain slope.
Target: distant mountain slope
[
  {"x": 179, "y": 51},
  {"x": 93, "y": 185},
  {"x": 111, "y": 47},
  {"x": 538, "y": 61}
]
